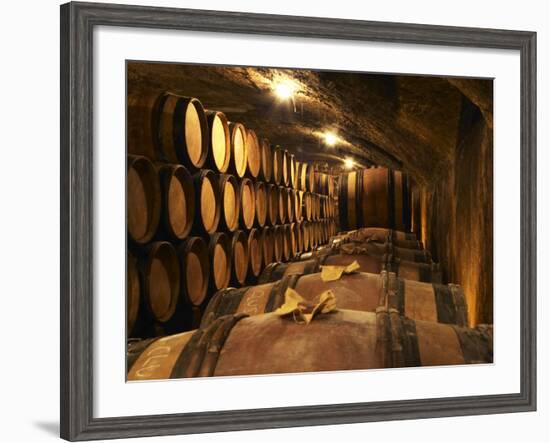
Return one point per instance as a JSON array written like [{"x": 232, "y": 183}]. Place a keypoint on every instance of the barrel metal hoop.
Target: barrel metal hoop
[
  {"x": 383, "y": 337},
  {"x": 445, "y": 304},
  {"x": 230, "y": 301},
  {"x": 476, "y": 345},
  {"x": 460, "y": 304},
  {"x": 409, "y": 341},
  {"x": 200, "y": 355}
]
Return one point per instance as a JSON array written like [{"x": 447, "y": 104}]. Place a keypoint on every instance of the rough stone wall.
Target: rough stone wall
[{"x": 457, "y": 218}]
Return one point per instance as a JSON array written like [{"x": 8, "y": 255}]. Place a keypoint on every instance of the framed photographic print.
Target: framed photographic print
[{"x": 273, "y": 221}]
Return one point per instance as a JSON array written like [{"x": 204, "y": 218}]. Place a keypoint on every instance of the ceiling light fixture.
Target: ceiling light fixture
[
  {"x": 330, "y": 138},
  {"x": 349, "y": 163},
  {"x": 284, "y": 90}
]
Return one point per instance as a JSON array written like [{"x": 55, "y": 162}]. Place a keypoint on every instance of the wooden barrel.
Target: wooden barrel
[
  {"x": 272, "y": 204},
  {"x": 183, "y": 131},
  {"x": 239, "y": 162},
  {"x": 207, "y": 201},
  {"x": 253, "y": 153},
  {"x": 282, "y": 211},
  {"x": 230, "y": 203},
  {"x": 219, "y": 250},
  {"x": 321, "y": 182},
  {"x": 143, "y": 121},
  {"x": 305, "y": 236},
  {"x": 143, "y": 199},
  {"x": 219, "y": 152},
  {"x": 307, "y": 206},
  {"x": 248, "y": 203},
  {"x": 358, "y": 291},
  {"x": 330, "y": 185},
  {"x": 388, "y": 248},
  {"x": 306, "y": 176},
  {"x": 312, "y": 235},
  {"x": 317, "y": 206},
  {"x": 297, "y": 203},
  {"x": 239, "y": 255},
  {"x": 291, "y": 216},
  {"x": 133, "y": 294},
  {"x": 266, "y": 170},
  {"x": 286, "y": 168},
  {"x": 348, "y": 201},
  {"x": 292, "y": 170},
  {"x": 268, "y": 245},
  {"x": 260, "y": 193},
  {"x": 161, "y": 280},
  {"x": 278, "y": 243},
  {"x": 289, "y": 245},
  {"x": 255, "y": 253},
  {"x": 351, "y": 340},
  {"x": 295, "y": 228},
  {"x": 385, "y": 233},
  {"x": 195, "y": 270},
  {"x": 278, "y": 165},
  {"x": 178, "y": 200},
  {"x": 423, "y": 272},
  {"x": 383, "y": 199}
]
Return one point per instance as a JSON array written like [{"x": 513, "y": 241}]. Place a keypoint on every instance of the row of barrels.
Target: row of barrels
[
  {"x": 380, "y": 320},
  {"x": 206, "y": 202},
  {"x": 374, "y": 197},
  {"x": 176, "y": 129},
  {"x": 167, "y": 284}
]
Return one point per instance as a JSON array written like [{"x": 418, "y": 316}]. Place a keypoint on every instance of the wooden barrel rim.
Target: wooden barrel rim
[
  {"x": 195, "y": 266},
  {"x": 268, "y": 245},
  {"x": 248, "y": 203},
  {"x": 253, "y": 154},
  {"x": 277, "y": 170},
  {"x": 273, "y": 204},
  {"x": 230, "y": 201},
  {"x": 173, "y": 217},
  {"x": 239, "y": 159},
  {"x": 266, "y": 170},
  {"x": 255, "y": 252},
  {"x": 214, "y": 119},
  {"x": 260, "y": 193},
  {"x": 283, "y": 208},
  {"x": 286, "y": 168},
  {"x": 162, "y": 309},
  {"x": 278, "y": 237},
  {"x": 175, "y": 130},
  {"x": 239, "y": 248},
  {"x": 139, "y": 169},
  {"x": 208, "y": 200},
  {"x": 219, "y": 250}
]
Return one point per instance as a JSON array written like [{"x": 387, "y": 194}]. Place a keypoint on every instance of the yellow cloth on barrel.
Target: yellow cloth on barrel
[
  {"x": 331, "y": 273},
  {"x": 304, "y": 311}
]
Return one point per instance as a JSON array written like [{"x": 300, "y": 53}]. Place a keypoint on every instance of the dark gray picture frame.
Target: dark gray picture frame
[{"x": 77, "y": 23}]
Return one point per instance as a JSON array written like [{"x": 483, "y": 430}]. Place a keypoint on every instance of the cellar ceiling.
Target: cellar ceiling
[{"x": 402, "y": 121}]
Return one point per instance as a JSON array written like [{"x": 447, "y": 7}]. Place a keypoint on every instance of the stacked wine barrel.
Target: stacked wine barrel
[
  {"x": 210, "y": 204},
  {"x": 382, "y": 319},
  {"x": 374, "y": 197}
]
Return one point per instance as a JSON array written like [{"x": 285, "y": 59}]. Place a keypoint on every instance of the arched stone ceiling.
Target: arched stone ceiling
[{"x": 401, "y": 121}]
